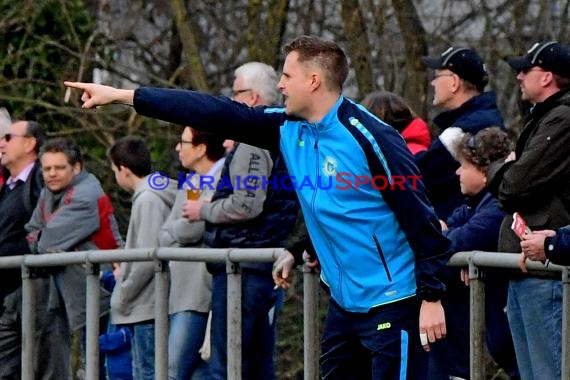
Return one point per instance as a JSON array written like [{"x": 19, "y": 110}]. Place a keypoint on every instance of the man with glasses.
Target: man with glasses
[
  {"x": 458, "y": 82},
  {"x": 536, "y": 184},
  {"x": 19, "y": 148}
]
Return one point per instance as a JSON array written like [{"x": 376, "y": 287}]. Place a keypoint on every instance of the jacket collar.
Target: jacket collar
[
  {"x": 485, "y": 100},
  {"x": 549, "y": 103},
  {"x": 473, "y": 201}
]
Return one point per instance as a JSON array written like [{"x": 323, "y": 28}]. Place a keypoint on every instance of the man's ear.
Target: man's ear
[
  {"x": 76, "y": 168},
  {"x": 315, "y": 80},
  {"x": 31, "y": 144},
  {"x": 546, "y": 79},
  {"x": 255, "y": 97},
  {"x": 128, "y": 172},
  {"x": 456, "y": 83}
]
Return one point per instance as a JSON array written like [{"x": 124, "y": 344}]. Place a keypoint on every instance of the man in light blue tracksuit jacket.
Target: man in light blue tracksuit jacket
[{"x": 377, "y": 237}]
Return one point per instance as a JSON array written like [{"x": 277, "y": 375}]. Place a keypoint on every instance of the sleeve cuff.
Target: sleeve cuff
[{"x": 430, "y": 295}]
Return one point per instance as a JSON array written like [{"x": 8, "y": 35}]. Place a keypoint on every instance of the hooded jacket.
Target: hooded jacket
[{"x": 133, "y": 296}]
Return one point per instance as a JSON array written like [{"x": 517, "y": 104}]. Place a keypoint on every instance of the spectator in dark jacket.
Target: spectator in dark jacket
[
  {"x": 19, "y": 148},
  {"x": 459, "y": 81},
  {"x": 536, "y": 184},
  {"x": 475, "y": 226}
]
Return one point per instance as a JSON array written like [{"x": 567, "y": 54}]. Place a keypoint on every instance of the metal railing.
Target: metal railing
[{"x": 475, "y": 261}]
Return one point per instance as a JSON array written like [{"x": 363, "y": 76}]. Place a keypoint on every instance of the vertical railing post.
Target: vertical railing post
[
  {"x": 92, "y": 321},
  {"x": 565, "y": 324},
  {"x": 161, "y": 319},
  {"x": 310, "y": 323},
  {"x": 233, "y": 273},
  {"x": 477, "y": 321},
  {"x": 28, "y": 324}
]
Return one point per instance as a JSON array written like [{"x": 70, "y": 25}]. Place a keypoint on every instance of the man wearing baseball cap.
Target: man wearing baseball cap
[
  {"x": 458, "y": 81},
  {"x": 536, "y": 185}
]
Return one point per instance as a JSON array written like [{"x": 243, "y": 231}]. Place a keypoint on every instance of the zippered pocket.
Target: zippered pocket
[{"x": 381, "y": 253}]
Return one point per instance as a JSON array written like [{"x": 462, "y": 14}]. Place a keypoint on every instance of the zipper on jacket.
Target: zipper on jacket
[
  {"x": 381, "y": 253},
  {"x": 317, "y": 161}
]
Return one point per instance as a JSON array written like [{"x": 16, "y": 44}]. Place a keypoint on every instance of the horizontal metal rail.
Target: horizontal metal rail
[{"x": 476, "y": 261}]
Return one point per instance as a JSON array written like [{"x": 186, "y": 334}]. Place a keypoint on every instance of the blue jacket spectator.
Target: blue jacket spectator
[{"x": 459, "y": 80}]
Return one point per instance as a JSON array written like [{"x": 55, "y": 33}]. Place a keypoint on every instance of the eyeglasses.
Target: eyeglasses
[
  {"x": 237, "y": 92},
  {"x": 182, "y": 142},
  {"x": 9, "y": 136},
  {"x": 435, "y": 76}
]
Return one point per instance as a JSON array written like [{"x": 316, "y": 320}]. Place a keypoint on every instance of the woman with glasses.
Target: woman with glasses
[{"x": 190, "y": 282}]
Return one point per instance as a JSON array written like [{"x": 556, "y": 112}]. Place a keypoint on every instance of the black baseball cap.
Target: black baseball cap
[
  {"x": 464, "y": 62},
  {"x": 551, "y": 56}
]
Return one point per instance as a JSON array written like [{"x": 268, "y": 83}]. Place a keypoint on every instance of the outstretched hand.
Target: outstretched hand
[{"x": 97, "y": 94}]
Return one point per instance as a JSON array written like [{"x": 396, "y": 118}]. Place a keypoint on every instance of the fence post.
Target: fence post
[
  {"x": 92, "y": 321},
  {"x": 310, "y": 323},
  {"x": 477, "y": 321},
  {"x": 565, "y": 324},
  {"x": 161, "y": 319},
  {"x": 28, "y": 324},
  {"x": 233, "y": 273}
]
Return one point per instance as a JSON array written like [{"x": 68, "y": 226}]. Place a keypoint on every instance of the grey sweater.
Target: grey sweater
[
  {"x": 190, "y": 282},
  {"x": 132, "y": 300}
]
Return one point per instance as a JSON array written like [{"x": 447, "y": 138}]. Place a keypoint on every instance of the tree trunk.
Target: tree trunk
[
  {"x": 191, "y": 51},
  {"x": 264, "y": 39},
  {"x": 358, "y": 45},
  {"x": 414, "y": 35}
]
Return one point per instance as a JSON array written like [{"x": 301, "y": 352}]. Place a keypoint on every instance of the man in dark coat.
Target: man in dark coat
[
  {"x": 458, "y": 82},
  {"x": 19, "y": 149},
  {"x": 536, "y": 184}
]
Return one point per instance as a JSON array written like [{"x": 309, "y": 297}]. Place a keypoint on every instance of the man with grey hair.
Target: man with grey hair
[
  {"x": 258, "y": 82},
  {"x": 253, "y": 214}
]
